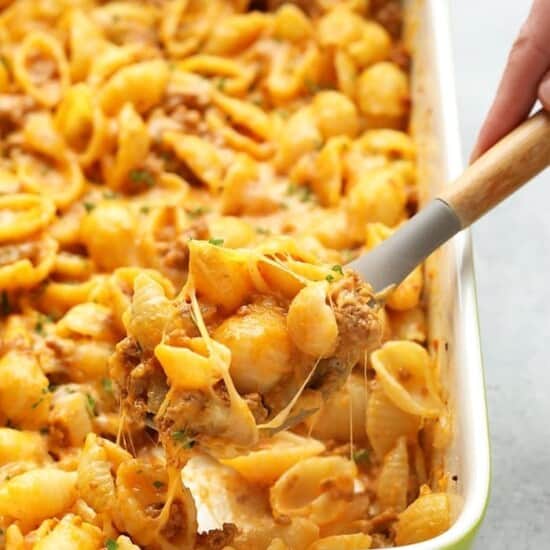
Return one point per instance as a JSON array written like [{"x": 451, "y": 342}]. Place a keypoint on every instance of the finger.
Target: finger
[
  {"x": 544, "y": 91},
  {"x": 527, "y": 63}
]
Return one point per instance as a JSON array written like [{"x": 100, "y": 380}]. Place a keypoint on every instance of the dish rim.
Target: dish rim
[{"x": 472, "y": 403}]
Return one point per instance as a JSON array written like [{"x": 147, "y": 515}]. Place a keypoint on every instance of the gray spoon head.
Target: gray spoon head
[{"x": 391, "y": 261}]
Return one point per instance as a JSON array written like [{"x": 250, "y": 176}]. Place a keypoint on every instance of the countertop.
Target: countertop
[{"x": 512, "y": 256}]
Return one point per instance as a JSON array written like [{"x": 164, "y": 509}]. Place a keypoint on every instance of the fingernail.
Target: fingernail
[{"x": 544, "y": 92}]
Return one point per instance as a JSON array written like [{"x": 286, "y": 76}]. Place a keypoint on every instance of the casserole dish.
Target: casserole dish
[{"x": 146, "y": 245}]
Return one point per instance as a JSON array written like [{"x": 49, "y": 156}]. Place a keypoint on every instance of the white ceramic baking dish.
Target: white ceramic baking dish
[{"x": 454, "y": 331}]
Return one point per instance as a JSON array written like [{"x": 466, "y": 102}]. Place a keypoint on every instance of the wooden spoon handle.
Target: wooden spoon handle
[{"x": 503, "y": 169}]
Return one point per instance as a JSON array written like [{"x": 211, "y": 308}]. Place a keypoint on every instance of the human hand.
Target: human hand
[{"x": 526, "y": 77}]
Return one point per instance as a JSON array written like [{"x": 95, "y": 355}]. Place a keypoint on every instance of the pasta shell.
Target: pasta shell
[
  {"x": 393, "y": 480},
  {"x": 408, "y": 378},
  {"x": 386, "y": 422}
]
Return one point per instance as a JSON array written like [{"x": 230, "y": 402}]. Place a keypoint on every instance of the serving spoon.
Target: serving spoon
[{"x": 495, "y": 175}]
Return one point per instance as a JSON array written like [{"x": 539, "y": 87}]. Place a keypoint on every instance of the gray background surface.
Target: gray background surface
[{"x": 512, "y": 255}]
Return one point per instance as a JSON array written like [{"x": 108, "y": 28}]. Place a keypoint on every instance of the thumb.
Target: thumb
[{"x": 544, "y": 91}]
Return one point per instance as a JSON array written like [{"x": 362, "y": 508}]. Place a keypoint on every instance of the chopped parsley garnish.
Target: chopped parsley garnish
[
  {"x": 107, "y": 385},
  {"x": 338, "y": 269},
  {"x": 263, "y": 231},
  {"x": 5, "y": 307},
  {"x": 221, "y": 83},
  {"x": 110, "y": 195},
  {"x": 89, "y": 206},
  {"x": 158, "y": 484},
  {"x": 329, "y": 278},
  {"x": 142, "y": 176},
  {"x": 303, "y": 192},
  {"x": 196, "y": 212},
  {"x": 216, "y": 242},
  {"x": 292, "y": 189},
  {"x": 4, "y": 62},
  {"x": 311, "y": 86},
  {"x": 145, "y": 209},
  {"x": 361, "y": 456},
  {"x": 314, "y": 87},
  {"x": 258, "y": 102},
  {"x": 111, "y": 544},
  {"x": 183, "y": 438},
  {"x": 37, "y": 403},
  {"x": 39, "y": 327},
  {"x": 91, "y": 405}
]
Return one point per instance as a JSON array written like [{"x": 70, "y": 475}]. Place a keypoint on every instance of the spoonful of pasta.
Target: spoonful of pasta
[
  {"x": 225, "y": 362},
  {"x": 498, "y": 173}
]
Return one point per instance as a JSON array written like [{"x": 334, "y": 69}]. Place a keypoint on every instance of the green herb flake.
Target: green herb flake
[
  {"x": 216, "y": 242},
  {"x": 40, "y": 322},
  {"x": 89, "y": 206},
  {"x": 91, "y": 405},
  {"x": 330, "y": 278},
  {"x": 221, "y": 83},
  {"x": 5, "y": 307},
  {"x": 39, "y": 327},
  {"x": 311, "y": 86},
  {"x": 263, "y": 231},
  {"x": 37, "y": 403},
  {"x": 338, "y": 269},
  {"x": 196, "y": 212},
  {"x": 183, "y": 438},
  {"x": 303, "y": 192},
  {"x": 158, "y": 484},
  {"x": 361, "y": 456},
  {"x": 306, "y": 195},
  {"x": 110, "y": 195},
  {"x": 107, "y": 385},
  {"x": 292, "y": 189},
  {"x": 141, "y": 176},
  {"x": 4, "y": 62},
  {"x": 145, "y": 209},
  {"x": 111, "y": 544}
]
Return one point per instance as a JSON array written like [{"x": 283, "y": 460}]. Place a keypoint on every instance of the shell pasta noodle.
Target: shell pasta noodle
[{"x": 185, "y": 360}]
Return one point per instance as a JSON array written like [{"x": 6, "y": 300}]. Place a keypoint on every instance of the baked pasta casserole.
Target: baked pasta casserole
[{"x": 185, "y": 361}]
